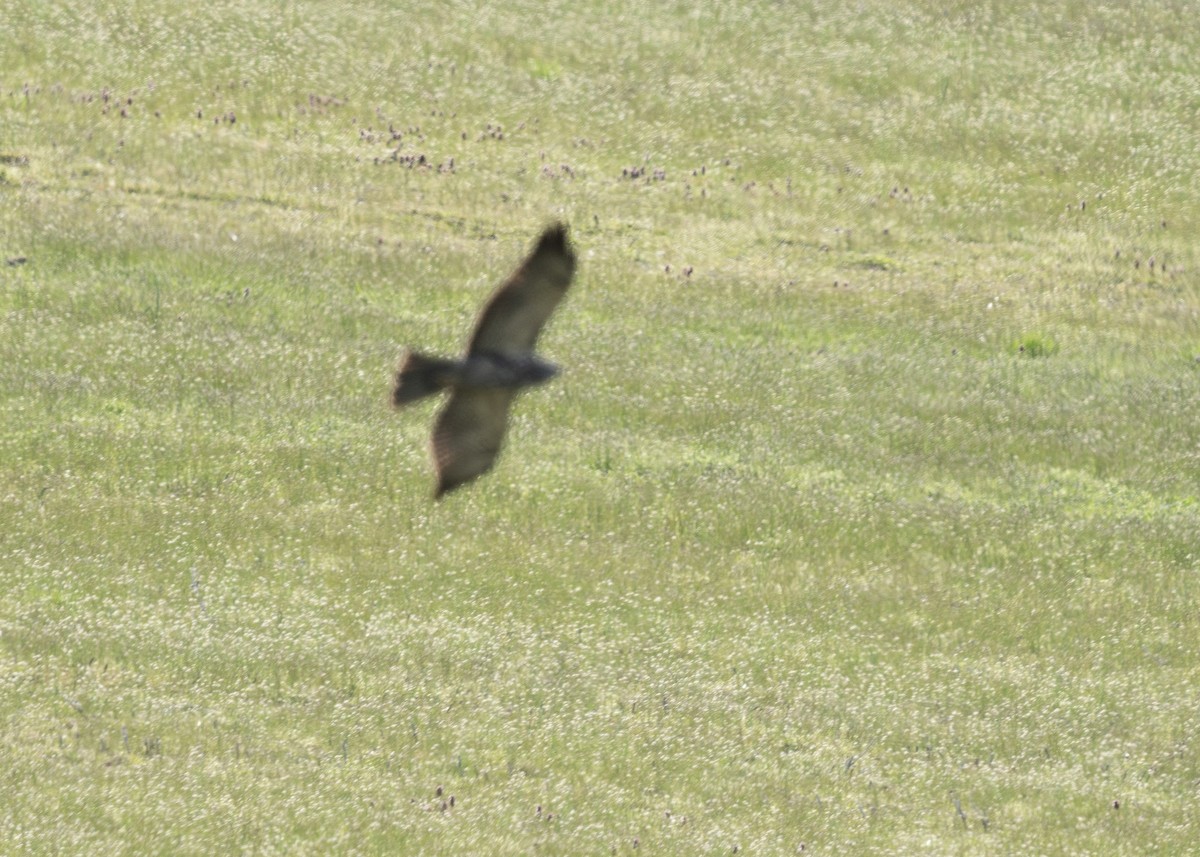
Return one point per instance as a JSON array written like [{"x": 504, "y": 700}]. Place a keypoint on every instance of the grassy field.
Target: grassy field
[{"x": 864, "y": 519}]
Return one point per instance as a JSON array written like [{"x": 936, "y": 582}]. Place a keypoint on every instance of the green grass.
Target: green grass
[{"x": 863, "y": 520}]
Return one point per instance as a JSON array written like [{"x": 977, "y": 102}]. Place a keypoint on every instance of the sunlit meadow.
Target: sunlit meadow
[{"x": 864, "y": 518}]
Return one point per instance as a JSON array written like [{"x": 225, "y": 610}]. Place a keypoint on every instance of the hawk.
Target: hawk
[{"x": 499, "y": 362}]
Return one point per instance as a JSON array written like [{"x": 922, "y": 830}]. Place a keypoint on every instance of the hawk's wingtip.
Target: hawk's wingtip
[
  {"x": 557, "y": 233},
  {"x": 556, "y": 240}
]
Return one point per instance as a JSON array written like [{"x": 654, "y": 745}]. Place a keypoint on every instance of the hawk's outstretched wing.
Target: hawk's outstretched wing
[
  {"x": 513, "y": 316},
  {"x": 468, "y": 434}
]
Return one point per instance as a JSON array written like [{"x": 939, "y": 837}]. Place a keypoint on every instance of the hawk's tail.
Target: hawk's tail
[{"x": 420, "y": 376}]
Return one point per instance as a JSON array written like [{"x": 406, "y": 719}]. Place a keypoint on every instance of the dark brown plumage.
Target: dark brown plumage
[{"x": 469, "y": 431}]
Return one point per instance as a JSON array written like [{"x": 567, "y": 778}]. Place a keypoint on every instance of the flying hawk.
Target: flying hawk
[{"x": 500, "y": 361}]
